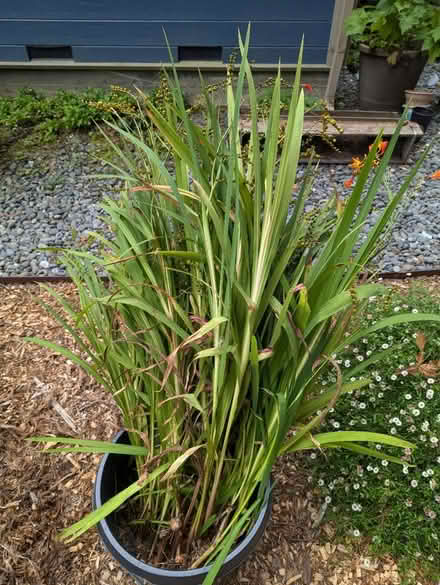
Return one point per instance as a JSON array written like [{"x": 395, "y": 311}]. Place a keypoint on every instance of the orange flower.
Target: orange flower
[
  {"x": 349, "y": 183},
  {"x": 356, "y": 164},
  {"x": 307, "y": 86},
  {"x": 435, "y": 175},
  {"x": 381, "y": 148}
]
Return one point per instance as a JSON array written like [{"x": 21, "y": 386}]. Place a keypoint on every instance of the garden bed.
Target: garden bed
[{"x": 42, "y": 393}]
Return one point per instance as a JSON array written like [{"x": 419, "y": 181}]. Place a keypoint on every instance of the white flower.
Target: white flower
[
  {"x": 414, "y": 311},
  {"x": 425, "y": 426},
  {"x": 385, "y": 346},
  {"x": 412, "y": 429},
  {"x": 360, "y": 358},
  {"x": 347, "y": 363},
  {"x": 424, "y": 474},
  {"x": 375, "y": 470},
  {"x": 363, "y": 421},
  {"x": 356, "y": 486},
  {"x": 405, "y": 469},
  {"x": 312, "y": 455},
  {"x": 384, "y": 462},
  {"x": 378, "y": 447},
  {"x": 320, "y": 482},
  {"x": 378, "y": 379},
  {"x": 362, "y": 405},
  {"x": 355, "y": 350},
  {"x": 404, "y": 373},
  {"x": 396, "y": 309},
  {"x": 430, "y": 380},
  {"x": 416, "y": 411},
  {"x": 429, "y": 394},
  {"x": 421, "y": 405},
  {"x": 364, "y": 340},
  {"x": 414, "y": 483},
  {"x": 398, "y": 422},
  {"x": 408, "y": 396},
  {"x": 352, "y": 422},
  {"x": 335, "y": 424},
  {"x": 423, "y": 438},
  {"x": 393, "y": 377},
  {"x": 434, "y": 441},
  {"x": 356, "y": 533},
  {"x": 368, "y": 353},
  {"x": 387, "y": 482},
  {"x": 328, "y": 499},
  {"x": 356, "y": 507},
  {"x": 380, "y": 395},
  {"x": 393, "y": 431}
]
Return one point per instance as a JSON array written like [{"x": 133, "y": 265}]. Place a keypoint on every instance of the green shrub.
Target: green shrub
[{"x": 64, "y": 111}]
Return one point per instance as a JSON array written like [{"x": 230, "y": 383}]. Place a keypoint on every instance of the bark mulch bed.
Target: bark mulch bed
[{"x": 43, "y": 393}]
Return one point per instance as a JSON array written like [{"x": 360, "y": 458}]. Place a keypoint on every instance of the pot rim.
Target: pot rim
[
  {"x": 139, "y": 568},
  {"x": 419, "y": 91},
  {"x": 382, "y": 53}
]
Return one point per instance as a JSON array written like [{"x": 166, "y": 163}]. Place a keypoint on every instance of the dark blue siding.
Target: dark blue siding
[
  {"x": 13, "y": 53},
  {"x": 170, "y": 10},
  {"x": 133, "y": 31}
]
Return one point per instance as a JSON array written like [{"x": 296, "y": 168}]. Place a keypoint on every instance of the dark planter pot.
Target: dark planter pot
[
  {"x": 381, "y": 85},
  {"x": 422, "y": 116},
  {"x": 113, "y": 467}
]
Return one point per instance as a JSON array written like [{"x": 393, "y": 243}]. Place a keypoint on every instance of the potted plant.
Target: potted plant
[
  {"x": 396, "y": 39},
  {"x": 224, "y": 303}
]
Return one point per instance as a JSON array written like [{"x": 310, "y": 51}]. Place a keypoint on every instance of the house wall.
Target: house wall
[{"x": 132, "y": 31}]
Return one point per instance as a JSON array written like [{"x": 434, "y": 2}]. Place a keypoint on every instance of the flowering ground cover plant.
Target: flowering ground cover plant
[
  {"x": 397, "y": 510},
  {"x": 225, "y": 305}
]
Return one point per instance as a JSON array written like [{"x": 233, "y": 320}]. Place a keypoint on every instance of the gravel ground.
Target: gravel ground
[{"x": 48, "y": 193}]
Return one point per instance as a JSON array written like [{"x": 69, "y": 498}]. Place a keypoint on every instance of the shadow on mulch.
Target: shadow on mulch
[{"x": 43, "y": 393}]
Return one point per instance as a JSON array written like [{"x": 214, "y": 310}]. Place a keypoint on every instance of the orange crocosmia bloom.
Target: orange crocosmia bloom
[
  {"x": 382, "y": 146},
  {"x": 435, "y": 175},
  {"x": 349, "y": 183},
  {"x": 356, "y": 164},
  {"x": 307, "y": 86}
]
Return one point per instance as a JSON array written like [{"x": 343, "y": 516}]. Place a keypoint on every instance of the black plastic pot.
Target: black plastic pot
[
  {"x": 422, "y": 116},
  {"x": 381, "y": 85},
  {"x": 113, "y": 467}
]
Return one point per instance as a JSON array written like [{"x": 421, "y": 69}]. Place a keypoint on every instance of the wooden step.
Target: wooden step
[{"x": 360, "y": 128}]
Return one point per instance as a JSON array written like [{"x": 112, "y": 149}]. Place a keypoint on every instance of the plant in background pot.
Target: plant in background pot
[
  {"x": 225, "y": 302},
  {"x": 397, "y": 38}
]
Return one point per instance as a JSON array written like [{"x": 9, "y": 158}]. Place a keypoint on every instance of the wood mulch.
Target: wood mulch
[{"x": 43, "y": 393}]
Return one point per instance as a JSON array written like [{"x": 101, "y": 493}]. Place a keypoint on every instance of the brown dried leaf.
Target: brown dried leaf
[{"x": 420, "y": 340}]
